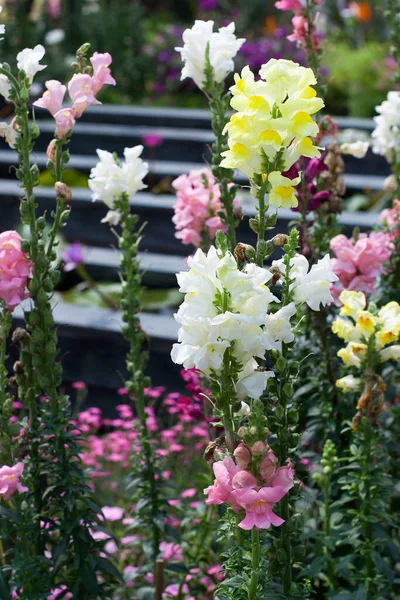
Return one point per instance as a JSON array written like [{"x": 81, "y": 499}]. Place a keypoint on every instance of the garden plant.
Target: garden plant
[{"x": 273, "y": 473}]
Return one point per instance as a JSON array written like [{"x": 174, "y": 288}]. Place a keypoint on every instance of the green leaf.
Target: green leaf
[
  {"x": 146, "y": 593},
  {"x": 156, "y": 299},
  {"x": 107, "y": 567}
]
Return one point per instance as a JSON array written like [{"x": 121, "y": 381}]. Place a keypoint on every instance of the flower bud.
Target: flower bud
[
  {"x": 242, "y": 455},
  {"x": 63, "y": 191}
]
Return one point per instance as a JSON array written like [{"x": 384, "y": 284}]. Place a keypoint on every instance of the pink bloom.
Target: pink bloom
[
  {"x": 390, "y": 217},
  {"x": 112, "y": 513},
  {"x": 51, "y": 151},
  {"x": 79, "y": 385},
  {"x": 82, "y": 88},
  {"x": 171, "y": 552},
  {"x": 258, "y": 506},
  {"x": 65, "y": 121},
  {"x": 101, "y": 72},
  {"x": 300, "y": 31},
  {"x": 293, "y": 5},
  {"x": 9, "y": 480},
  {"x": 189, "y": 493},
  {"x": 53, "y": 98},
  {"x": 221, "y": 490},
  {"x": 152, "y": 140},
  {"x": 196, "y": 210},
  {"x": 15, "y": 270}
]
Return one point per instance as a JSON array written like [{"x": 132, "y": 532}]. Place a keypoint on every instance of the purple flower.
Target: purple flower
[
  {"x": 315, "y": 167},
  {"x": 72, "y": 256},
  {"x": 208, "y": 4},
  {"x": 152, "y": 140}
]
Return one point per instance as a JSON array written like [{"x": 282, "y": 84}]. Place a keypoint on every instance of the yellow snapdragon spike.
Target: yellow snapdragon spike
[
  {"x": 366, "y": 323},
  {"x": 353, "y": 354},
  {"x": 344, "y": 329},
  {"x": 353, "y": 303}
]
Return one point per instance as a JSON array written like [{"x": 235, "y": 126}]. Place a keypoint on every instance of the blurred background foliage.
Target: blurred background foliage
[{"x": 141, "y": 36}]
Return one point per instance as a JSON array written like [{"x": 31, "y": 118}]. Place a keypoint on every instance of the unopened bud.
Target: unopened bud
[
  {"x": 20, "y": 335},
  {"x": 18, "y": 367},
  {"x": 279, "y": 240},
  {"x": 63, "y": 191},
  {"x": 276, "y": 274}
]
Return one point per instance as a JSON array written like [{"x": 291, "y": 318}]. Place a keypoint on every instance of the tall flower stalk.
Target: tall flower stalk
[{"x": 114, "y": 183}]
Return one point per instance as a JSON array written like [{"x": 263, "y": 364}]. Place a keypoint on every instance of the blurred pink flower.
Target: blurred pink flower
[
  {"x": 112, "y": 513},
  {"x": 171, "y": 552},
  {"x": 9, "y": 480},
  {"x": 15, "y": 269},
  {"x": 152, "y": 140}
]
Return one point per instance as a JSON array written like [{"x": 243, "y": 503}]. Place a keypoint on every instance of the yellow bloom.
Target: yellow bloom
[
  {"x": 353, "y": 354},
  {"x": 366, "y": 323},
  {"x": 344, "y": 329},
  {"x": 387, "y": 335},
  {"x": 393, "y": 352},
  {"x": 353, "y": 303},
  {"x": 282, "y": 192}
]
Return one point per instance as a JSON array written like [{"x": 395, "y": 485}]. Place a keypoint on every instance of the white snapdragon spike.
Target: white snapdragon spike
[
  {"x": 2, "y": 26},
  {"x": 9, "y": 132},
  {"x": 28, "y": 61},
  {"x": 390, "y": 353},
  {"x": 223, "y": 47},
  {"x": 5, "y": 86},
  {"x": 252, "y": 381},
  {"x": 109, "y": 180},
  {"x": 357, "y": 149},
  {"x": 311, "y": 287},
  {"x": 227, "y": 308},
  {"x": 386, "y": 138},
  {"x": 349, "y": 383}
]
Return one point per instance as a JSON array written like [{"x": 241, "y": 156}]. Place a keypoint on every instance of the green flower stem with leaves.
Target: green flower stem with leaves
[
  {"x": 219, "y": 103},
  {"x": 137, "y": 358},
  {"x": 5, "y": 399},
  {"x": 255, "y": 563}
]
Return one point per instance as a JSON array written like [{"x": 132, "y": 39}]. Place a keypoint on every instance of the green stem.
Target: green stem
[
  {"x": 366, "y": 508},
  {"x": 255, "y": 563},
  {"x": 260, "y": 249},
  {"x": 218, "y": 106},
  {"x": 137, "y": 358},
  {"x": 327, "y": 517}
]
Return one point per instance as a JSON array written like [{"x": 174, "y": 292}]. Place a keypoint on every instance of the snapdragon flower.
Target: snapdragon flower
[
  {"x": 310, "y": 286},
  {"x": 28, "y": 60},
  {"x": 386, "y": 138},
  {"x": 109, "y": 179},
  {"x": 357, "y": 328},
  {"x": 272, "y": 126},
  {"x": 222, "y": 47}
]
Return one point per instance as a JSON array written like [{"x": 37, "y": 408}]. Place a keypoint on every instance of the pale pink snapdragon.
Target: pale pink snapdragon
[
  {"x": 10, "y": 480},
  {"x": 359, "y": 263},
  {"x": 101, "y": 71},
  {"x": 241, "y": 489},
  {"x": 82, "y": 90},
  {"x": 390, "y": 218},
  {"x": 171, "y": 552},
  {"x": 53, "y": 98},
  {"x": 294, "y": 5},
  {"x": 196, "y": 210},
  {"x": 15, "y": 270}
]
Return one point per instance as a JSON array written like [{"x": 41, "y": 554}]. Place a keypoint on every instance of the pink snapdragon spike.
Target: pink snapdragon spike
[
  {"x": 359, "y": 263},
  {"x": 15, "y": 270},
  {"x": 171, "y": 552},
  {"x": 81, "y": 88},
  {"x": 236, "y": 485},
  {"x": 258, "y": 506},
  {"x": 196, "y": 209},
  {"x": 293, "y": 5},
  {"x": 53, "y": 98},
  {"x": 101, "y": 72},
  {"x": 10, "y": 480},
  {"x": 65, "y": 121},
  {"x": 390, "y": 218}
]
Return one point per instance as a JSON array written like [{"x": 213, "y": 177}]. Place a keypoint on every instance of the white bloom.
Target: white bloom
[
  {"x": 223, "y": 47},
  {"x": 349, "y": 383},
  {"x": 9, "y": 132},
  {"x": 28, "y": 61},
  {"x": 2, "y": 26},
  {"x": 134, "y": 170},
  {"x": 244, "y": 410},
  {"x": 357, "y": 149},
  {"x": 278, "y": 328},
  {"x": 312, "y": 287},
  {"x": 252, "y": 382},
  {"x": 55, "y": 36},
  {"x": 5, "y": 86},
  {"x": 109, "y": 180},
  {"x": 390, "y": 353},
  {"x": 386, "y": 138},
  {"x": 113, "y": 217}
]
